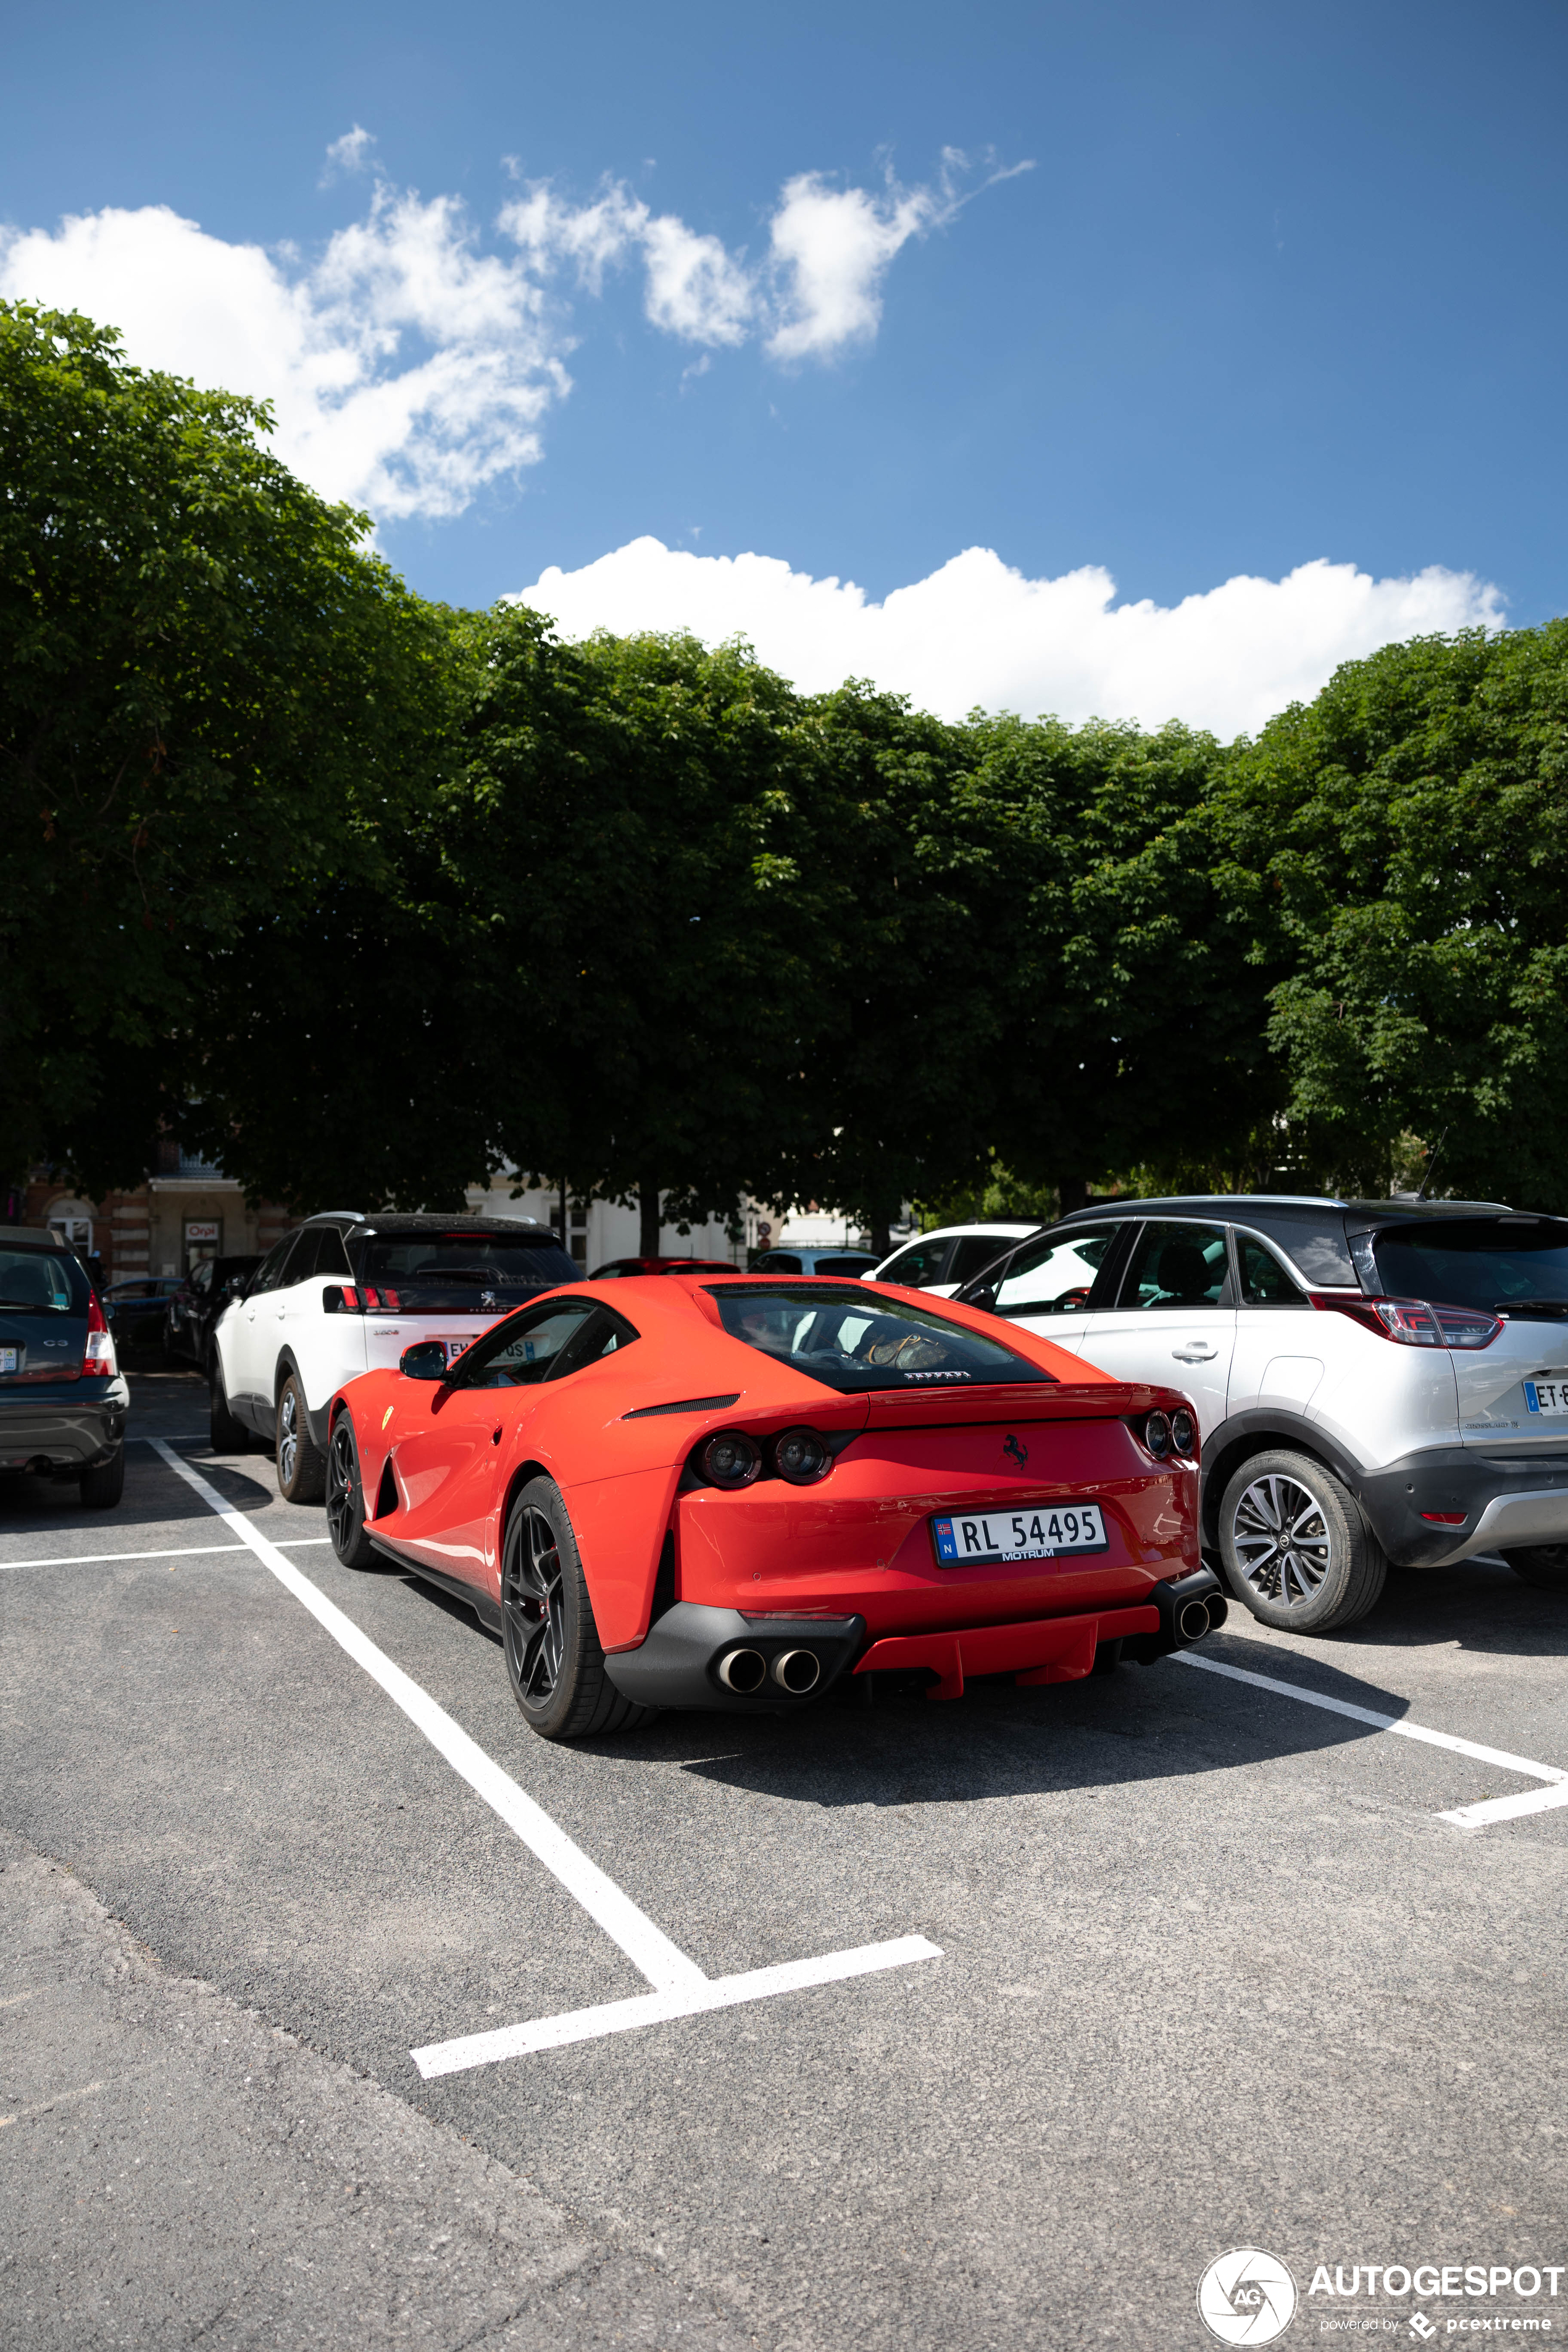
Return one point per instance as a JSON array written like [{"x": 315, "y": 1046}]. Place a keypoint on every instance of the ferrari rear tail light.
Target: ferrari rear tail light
[
  {"x": 801, "y": 1457},
  {"x": 1418, "y": 1322},
  {"x": 1185, "y": 1434},
  {"x": 729, "y": 1458},
  {"x": 97, "y": 1363}
]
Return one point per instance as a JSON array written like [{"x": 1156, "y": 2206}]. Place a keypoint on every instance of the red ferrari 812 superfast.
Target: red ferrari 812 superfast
[{"x": 731, "y": 1492}]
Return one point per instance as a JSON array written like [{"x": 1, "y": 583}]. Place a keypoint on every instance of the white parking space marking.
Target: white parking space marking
[
  {"x": 1508, "y": 1809},
  {"x": 1491, "y": 1809},
  {"x": 654, "y": 2008},
  {"x": 680, "y": 1987},
  {"x": 188, "y": 1551}
]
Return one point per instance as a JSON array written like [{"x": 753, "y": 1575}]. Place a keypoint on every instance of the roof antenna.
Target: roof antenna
[{"x": 1431, "y": 1163}]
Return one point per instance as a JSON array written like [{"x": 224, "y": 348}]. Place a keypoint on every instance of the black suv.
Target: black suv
[{"x": 63, "y": 1401}]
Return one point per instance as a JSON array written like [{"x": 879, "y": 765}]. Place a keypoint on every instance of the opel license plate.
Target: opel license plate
[
  {"x": 1546, "y": 1396},
  {"x": 1040, "y": 1534}
]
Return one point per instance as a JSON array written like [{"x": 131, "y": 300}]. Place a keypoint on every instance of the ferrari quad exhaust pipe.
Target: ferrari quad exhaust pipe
[
  {"x": 797, "y": 1671},
  {"x": 1191, "y": 1607},
  {"x": 743, "y": 1671}
]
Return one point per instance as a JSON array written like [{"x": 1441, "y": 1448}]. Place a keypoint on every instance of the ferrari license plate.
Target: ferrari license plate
[
  {"x": 1548, "y": 1397},
  {"x": 1037, "y": 1534}
]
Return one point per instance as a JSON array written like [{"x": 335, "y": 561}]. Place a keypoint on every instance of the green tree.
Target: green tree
[
  {"x": 214, "y": 704},
  {"x": 643, "y": 888},
  {"x": 1398, "y": 852}
]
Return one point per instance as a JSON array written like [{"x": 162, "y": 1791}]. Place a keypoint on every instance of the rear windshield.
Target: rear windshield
[
  {"x": 851, "y": 1339},
  {"x": 1478, "y": 1262},
  {"x": 38, "y": 1282},
  {"x": 476, "y": 1274}
]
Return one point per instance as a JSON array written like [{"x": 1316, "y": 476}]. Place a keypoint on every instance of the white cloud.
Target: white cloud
[
  {"x": 831, "y": 248},
  {"x": 348, "y": 153},
  {"x": 407, "y": 369},
  {"x": 407, "y": 366},
  {"x": 976, "y": 632}
]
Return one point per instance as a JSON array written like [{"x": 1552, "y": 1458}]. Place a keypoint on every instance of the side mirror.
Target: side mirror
[
  {"x": 425, "y": 1361},
  {"x": 235, "y": 1286}
]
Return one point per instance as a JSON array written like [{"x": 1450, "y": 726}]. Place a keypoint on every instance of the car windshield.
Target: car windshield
[
  {"x": 33, "y": 1282},
  {"x": 852, "y": 1340},
  {"x": 1479, "y": 1261},
  {"x": 472, "y": 1273}
]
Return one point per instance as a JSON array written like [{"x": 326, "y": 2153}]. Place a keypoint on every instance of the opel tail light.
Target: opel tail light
[{"x": 1418, "y": 1322}]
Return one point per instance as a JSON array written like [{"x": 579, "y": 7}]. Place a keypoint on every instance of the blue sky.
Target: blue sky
[{"x": 1281, "y": 286}]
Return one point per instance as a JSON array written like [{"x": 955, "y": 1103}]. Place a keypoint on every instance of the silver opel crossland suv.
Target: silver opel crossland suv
[{"x": 1373, "y": 1381}]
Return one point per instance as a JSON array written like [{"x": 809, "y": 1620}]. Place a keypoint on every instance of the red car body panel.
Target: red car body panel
[{"x": 439, "y": 1466}]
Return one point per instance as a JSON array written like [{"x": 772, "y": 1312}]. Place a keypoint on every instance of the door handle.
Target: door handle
[{"x": 1196, "y": 1351}]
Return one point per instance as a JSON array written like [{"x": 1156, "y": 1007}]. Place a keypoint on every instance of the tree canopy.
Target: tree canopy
[
  {"x": 369, "y": 899},
  {"x": 213, "y": 702}
]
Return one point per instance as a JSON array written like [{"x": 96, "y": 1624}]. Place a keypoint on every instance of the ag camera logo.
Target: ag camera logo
[{"x": 1246, "y": 2297}]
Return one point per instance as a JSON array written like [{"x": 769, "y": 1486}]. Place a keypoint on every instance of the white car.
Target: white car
[
  {"x": 1373, "y": 1381},
  {"x": 942, "y": 1261},
  {"x": 345, "y": 1294}
]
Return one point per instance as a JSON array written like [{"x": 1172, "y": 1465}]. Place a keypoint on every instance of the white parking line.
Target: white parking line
[
  {"x": 680, "y": 1987},
  {"x": 1490, "y": 1809},
  {"x": 191, "y": 1551},
  {"x": 1506, "y": 1809},
  {"x": 654, "y": 2008}
]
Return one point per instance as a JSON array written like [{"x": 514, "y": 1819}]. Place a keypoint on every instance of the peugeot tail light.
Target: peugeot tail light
[
  {"x": 1418, "y": 1322},
  {"x": 97, "y": 1363}
]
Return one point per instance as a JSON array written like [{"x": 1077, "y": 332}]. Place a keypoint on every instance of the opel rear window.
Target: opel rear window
[
  {"x": 852, "y": 1340},
  {"x": 1487, "y": 1262},
  {"x": 472, "y": 1274}
]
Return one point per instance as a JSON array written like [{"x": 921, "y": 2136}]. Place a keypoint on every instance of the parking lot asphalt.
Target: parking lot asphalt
[{"x": 1216, "y": 1972}]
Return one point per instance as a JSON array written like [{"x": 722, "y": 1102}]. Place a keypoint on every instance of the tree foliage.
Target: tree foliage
[
  {"x": 213, "y": 702},
  {"x": 1399, "y": 849}
]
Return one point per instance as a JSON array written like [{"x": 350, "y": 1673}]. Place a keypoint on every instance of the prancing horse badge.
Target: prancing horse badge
[{"x": 1020, "y": 1454}]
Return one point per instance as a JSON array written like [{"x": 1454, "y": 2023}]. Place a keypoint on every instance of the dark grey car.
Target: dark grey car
[{"x": 63, "y": 1401}]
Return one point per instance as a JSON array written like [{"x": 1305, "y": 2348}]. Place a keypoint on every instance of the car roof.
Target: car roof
[
  {"x": 1300, "y": 1205},
  {"x": 424, "y": 1221},
  {"x": 33, "y": 1236},
  {"x": 1005, "y": 1226}
]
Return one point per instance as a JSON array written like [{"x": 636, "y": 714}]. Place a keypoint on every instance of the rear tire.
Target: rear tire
[
  {"x": 1297, "y": 1551},
  {"x": 301, "y": 1465},
  {"x": 345, "y": 1497},
  {"x": 227, "y": 1435},
  {"x": 101, "y": 1489},
  {"x": 554, "y": 1661},
  {"x": 1544, "y": 1566}
]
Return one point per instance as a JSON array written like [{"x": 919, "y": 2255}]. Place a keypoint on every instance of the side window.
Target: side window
[
  {"x": 270, "y": 1273},
  {"x": 331, "y": 1258},
  {"x": 1055, "y": 1273},
  {"x": 1264, "y": 1281},
  {"x": 524, "y": 1350},
  {"x": 777, "y": 1262},
  {"x": 918, "y": 1265},
  {"x": 974, "y": 1254},
  {"x": 1176, "y": 1265},
  {"x": 202, "y": 1277}
]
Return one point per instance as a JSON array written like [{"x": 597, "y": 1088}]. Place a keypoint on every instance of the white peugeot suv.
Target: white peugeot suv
[
  {"x": 1373, "y": 1381},
  {"x": 345, "y": 1294}
]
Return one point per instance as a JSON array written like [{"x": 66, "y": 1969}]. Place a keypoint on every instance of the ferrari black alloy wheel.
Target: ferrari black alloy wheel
[
  {"x": 554, "y": 1659},
  {"x": 345, "y": 1497}
]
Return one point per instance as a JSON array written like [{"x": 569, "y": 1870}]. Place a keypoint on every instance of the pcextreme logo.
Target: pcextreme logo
[{"x": 1246, "y": 2297}]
